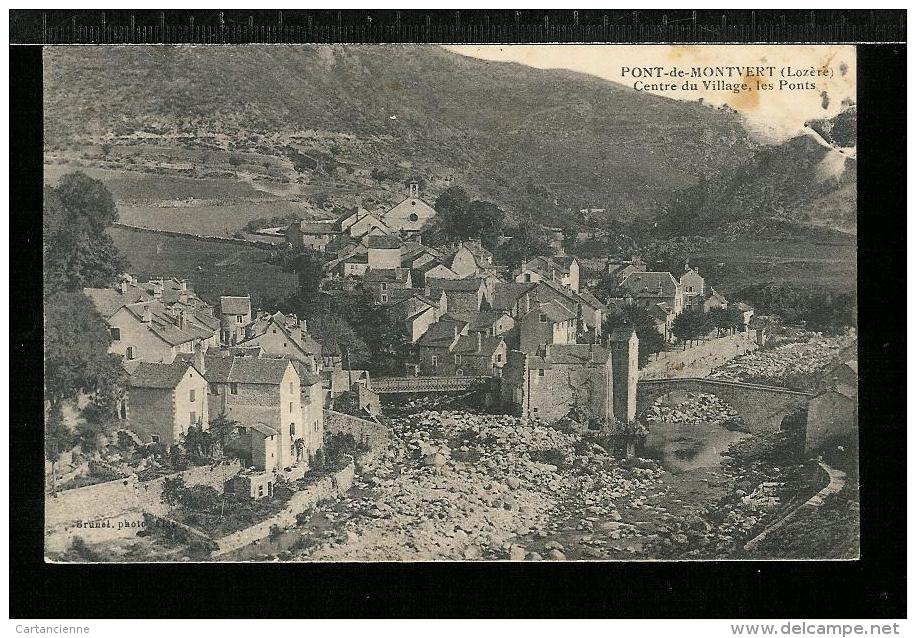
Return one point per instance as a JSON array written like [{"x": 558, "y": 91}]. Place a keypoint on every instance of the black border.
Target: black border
[{"x": 873, "y": 587}]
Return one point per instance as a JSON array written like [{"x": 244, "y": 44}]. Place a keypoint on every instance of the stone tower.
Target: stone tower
[{"x": 625, "y": 370}]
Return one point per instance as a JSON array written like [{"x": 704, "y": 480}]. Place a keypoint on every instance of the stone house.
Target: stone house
[
  {"x": 164, "y": 400},
  {"x": 663, "y": 316},
  {"x": 469, "y": 259},
  {"x": 645, "y": 289},
  {"x": 693, "y": 287},
  {"x": 712, "y": 300},
  {"x": 149, "y": 331},
  {"x": 382, "y": 282},
  {"x": 474, "y": 354},
  {"x": 362, "y": 224},
  {"x": 463, "y": 295},
  {"x": 546, "y": 323},
  {"x": 312, "y": 235},
  {"x": 384, "y": 252},
  {"x": 562, "y": 270},
  {"x": 417, "y": 311},
  {"x": 280, "y": 335},
  {"x": 587, "y": 378},
  {"x": 265, "y": 391},
  {"x": 234, "y": 315},
  {"x": 434, "y": 348},
  {"x": 560, "y": 378}
]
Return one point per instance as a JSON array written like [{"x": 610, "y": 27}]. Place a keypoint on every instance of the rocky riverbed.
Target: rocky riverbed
[
  {"x": 463, "y": 486},
  {"x": 800, "y": 364}
]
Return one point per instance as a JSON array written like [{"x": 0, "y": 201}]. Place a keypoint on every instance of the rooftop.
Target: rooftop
[{"x": 158, "y": 375}]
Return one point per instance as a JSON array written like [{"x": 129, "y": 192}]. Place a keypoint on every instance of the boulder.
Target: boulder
[
  {"x": 516, "y": 553},
  {"x": 434, "y": 460},
  {"x": 556, "y": 554}
]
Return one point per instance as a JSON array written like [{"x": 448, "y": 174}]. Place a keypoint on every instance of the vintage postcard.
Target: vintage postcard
[{"x": 450, "y": 303}]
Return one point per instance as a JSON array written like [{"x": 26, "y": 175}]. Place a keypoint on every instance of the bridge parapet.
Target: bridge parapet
[{"x": 392, "y": 385}]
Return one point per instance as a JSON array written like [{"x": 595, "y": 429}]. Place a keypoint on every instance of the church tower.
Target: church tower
[{"x": 625, "y": 370}]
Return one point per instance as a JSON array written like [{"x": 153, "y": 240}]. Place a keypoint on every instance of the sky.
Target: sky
[{"x": 772, "y": 115}]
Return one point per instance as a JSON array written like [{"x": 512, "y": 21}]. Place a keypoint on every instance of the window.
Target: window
[
  {"x": 413, "y": 217},
  {"x": 316, "y": 425},
  {"x": 499, "y": 357},
  {"x": 434, "y": 360},
  {"x": 193, "y": 418},
  {"x": 457, "y": 359},
  {"x": 540, "y": 372},
  {"x": 384, "y": 286},
  {"x": 233, "y": 388},
  {"x": 542, "y": 318},
  {"x": 383, "y": 298},
  {"x": 290, "y": 408},
  {"x": 260, "y": 491},
  {"x": 527, "y": 277},
  {"x": 192, "y": 396},
  {"x": 535, "y": 410},
  {"x": 115, "y": 334},
  {"x": 292, "y": 429},
  {"x": 238, "y": 319},
  {"x": 291, "y": 386},
  {"x": 155, "y": 438},
  {"x": 284, "y": 344},
  {"x": 130, "y": 352}
]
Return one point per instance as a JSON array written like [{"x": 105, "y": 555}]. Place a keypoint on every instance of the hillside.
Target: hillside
[
  {"x": 803, "y": 187},
  {"x": 535, "y": 141}
]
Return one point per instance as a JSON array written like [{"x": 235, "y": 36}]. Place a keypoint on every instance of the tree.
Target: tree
[
  {"x": 78, "y": 252},
  {"x": 485, "y": 220},
  {"x": 650, "y": 339},
  {"x": 309, "y": 268},
  {"x": 524, "y": 244},
  {"x": 76, "y": 352},
  {"x": 691, "y": 324},
  {"x": 453, "y": 202},
  {"x": 200, "y": 445}
]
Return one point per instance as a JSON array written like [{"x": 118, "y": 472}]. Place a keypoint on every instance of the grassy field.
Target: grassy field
[
  {"x": 213, "y": 268},
  {"x": 731, "y": 266}
]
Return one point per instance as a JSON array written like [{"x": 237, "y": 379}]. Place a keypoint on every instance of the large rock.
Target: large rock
[
  {"x": 516, "y": 553},
  {"x": 434, "y": 460},
  {"x": 556, "y": 554}
]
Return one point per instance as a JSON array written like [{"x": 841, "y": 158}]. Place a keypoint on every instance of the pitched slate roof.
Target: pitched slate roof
[
  {"x": 235, "y": 305},
  {"x": 388, "y": 275},
  {"x": 164, "y": 323},
  {"x": 327, "y": 227},
  {"x": 259, "y": 370},
  {"x": 442, "y": 334},
  {"x": 467, "y": 345},
  {"x": 235, "y": 369},
  {"x": 506, "y": 294},
  {"x": 266, "y": 430},
  {"x": 108, "y": 300},
  {"x": 383, "y": 241},
  {"x": 455, "y": 285},
  {"x": 555, "y": 311},
  {"x": 158, "y": 375},
  {"x": 576, "y": 353},
  {"x": 650, "y": 284}
]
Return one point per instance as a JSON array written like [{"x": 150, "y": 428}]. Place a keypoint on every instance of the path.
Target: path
[{"x": 837, "y": 482}]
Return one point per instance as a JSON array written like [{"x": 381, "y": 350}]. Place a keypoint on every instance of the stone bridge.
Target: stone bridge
[
  {"x": 761, "y": 406},
  {"x": 404, "y": 385}
]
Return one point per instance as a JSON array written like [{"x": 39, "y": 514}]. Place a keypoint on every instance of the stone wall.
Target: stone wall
[
  {"x": 324, "y": 489},
  {"x": 701, "y": 359},
  {"x": 373, "y": 434},
  {"x": 108, "y": 500}
]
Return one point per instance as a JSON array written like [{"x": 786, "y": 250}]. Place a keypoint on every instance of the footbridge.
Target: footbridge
[
  {"x": 405, "y": 385},
  {"x": 761, "y": 406}
]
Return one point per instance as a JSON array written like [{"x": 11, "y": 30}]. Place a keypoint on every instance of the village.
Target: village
[{"x": 536, "y": 391}]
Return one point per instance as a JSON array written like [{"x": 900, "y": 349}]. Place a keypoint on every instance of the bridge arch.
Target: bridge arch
[{"x": 761, "y": 407}]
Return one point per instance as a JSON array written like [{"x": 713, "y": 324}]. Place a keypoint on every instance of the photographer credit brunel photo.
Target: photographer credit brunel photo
[{"x": 450, "y": 303}]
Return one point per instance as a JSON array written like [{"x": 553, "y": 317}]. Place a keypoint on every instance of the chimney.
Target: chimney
[
  {"x": 147, "y": 315},
  {"x": 455, "y": 329},
  {"x": 527, "y": 302},
  {"x": 183, "y": 296},
  {"x": 123, "y": 286},
  {"x": 304, "y": 325},
  {"x": 200, "y": 361},
  {"x": 184, "y": 284},
  {"x": 479, "y": 341},
  {"x": 181, "y": 320}
]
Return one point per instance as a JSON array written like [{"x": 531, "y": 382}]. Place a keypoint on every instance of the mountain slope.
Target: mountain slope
[
  {"x": 537, "y": 142},
  {"x": 803, "y": 186}
]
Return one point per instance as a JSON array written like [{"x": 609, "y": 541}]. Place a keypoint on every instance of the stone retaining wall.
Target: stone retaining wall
[
  {"x": 324, "y": 489},
  {"x": 108, "y": 500},
  {"x": 700, "y": 360},
  {"x": 251, "y": 243},
  {"x": 373, "y": 434}
]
